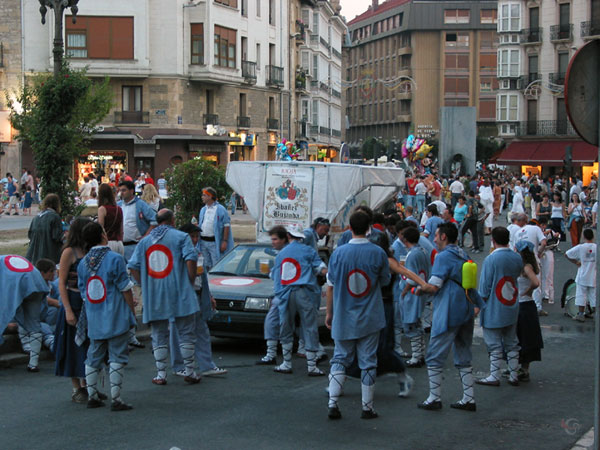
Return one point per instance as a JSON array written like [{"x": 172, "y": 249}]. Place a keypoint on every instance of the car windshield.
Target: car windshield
[{"x": 246, "y": 261}]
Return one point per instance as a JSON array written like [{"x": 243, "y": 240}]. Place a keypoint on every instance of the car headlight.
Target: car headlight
[{"x": 257, "y": 303}]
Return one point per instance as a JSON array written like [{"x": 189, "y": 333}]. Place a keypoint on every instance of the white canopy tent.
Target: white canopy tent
[{"x": 333, "y": 192}]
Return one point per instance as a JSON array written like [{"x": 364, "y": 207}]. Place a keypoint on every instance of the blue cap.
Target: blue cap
[{"x": 521, "y": 245}]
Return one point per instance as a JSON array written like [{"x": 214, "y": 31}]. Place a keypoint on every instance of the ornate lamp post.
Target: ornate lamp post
[{"x": 59, "y": 7}]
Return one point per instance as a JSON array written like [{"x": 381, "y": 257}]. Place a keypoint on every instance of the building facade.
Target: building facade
[
  {"x": 405, "y": 59},
  {"x": 537, "y": 41},
  {"x": 318, "y": 31},
  {"x": 206, "y": 78},
  {"x": 11, "y": 77}
]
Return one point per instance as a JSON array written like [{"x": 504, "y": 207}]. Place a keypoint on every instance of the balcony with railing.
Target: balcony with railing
[
  {"x": 300, "y": 32},
  {"x": 335, "y": 93},
  {"x": 324, "y": 130},
  {"x": 274, "y": 75},
  {"x": 211, "y": 119},
  {"x": 530, "y": 78},
  {"x": 336, "y": 133},
  {"x": 590, "y": 28},
  {"x": 557, "y": 78},
  {"x": 545, "y": 128},
  {"x": 561, "y": 33},
  {"x": 324, "y": 86},
  {"x": 336, "y": 53},
  {"x": 531, "y": 36},
  {"x": 136, "y": 117},
  {"x": 314, "y": 38},
  {"x": 314, "y": 130},
  {"x": 272, "y": 124},
  {"x": 243, "y": 122},
  {"x": 324, "y": 42},
  {"x": 249, "y": 71}
]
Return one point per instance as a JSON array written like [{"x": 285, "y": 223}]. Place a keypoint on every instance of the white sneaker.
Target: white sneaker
[
  {"x": 214, "y": 372},
  {"x": 406, "y": 384}
]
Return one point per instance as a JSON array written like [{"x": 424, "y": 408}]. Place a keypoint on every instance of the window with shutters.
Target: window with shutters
[
  {"x": 197, "y": 43},
  {"x": 232, "y": 3},
  {"x": 458, "y": 62},
  {"x": 99, "y": 37},
  {"x": 489, "y": 16},
  {"x": 487, "y": 62},
  {"x": 456, "y": 86},
  {"x": 225, "y": 47},
  {"x": 487, "y": 108},
  {"x": 457, "y": 16}
]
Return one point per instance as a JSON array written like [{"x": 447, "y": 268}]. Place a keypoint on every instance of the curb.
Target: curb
[{"x": 586, "y": 442}]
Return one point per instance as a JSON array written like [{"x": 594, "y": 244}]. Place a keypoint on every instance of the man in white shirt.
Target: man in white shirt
[
  {"x": 584, "y": 257},
  {"x": 216, "y": 238},
  {"x": 517, "y": 203},
  {"x": 456, "y": 189},
  {"x": 487, "y": 199},
  {"x": 421, "y": 190}
]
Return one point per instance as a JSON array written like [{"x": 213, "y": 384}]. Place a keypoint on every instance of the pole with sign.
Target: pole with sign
[{"x": 583, "y": 105}]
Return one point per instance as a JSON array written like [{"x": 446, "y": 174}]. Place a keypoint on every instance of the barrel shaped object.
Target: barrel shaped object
[{"x": 469, "y": 275}]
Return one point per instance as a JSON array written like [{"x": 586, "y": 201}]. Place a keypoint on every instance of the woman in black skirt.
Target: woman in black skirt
[
  {"x": 70, "y": 358},
  {"x": 528, "y": 325}
]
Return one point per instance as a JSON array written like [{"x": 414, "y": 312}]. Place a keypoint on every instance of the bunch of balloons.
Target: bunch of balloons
[
  {"x": 287, "y": 151},
  {"x": 415, "y": 152}
]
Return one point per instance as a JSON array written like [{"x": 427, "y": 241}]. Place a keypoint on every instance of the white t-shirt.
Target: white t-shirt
[
  {"x": 512, "y": 229},
  {"x": 531, "y": 233},
  {"x": 130, "y": 230},
  {"x": 457, "y": 187},
  {"x": 595, "y": 208},
  {"x": 586, "y": 254},
  {"x": 486, "y": 193},
  {"x": 208, "y": 223},
  {"x": 421, "y": 189}
]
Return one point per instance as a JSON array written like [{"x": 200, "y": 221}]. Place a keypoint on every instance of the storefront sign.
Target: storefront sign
[
  {"x": 288, "y": 196},
  {"x": 5, "y": 127}
]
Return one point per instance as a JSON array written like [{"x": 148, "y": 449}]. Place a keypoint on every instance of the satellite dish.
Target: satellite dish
[{"x": 581, "y": 91}]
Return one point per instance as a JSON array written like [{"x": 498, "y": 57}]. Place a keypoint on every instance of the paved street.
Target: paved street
[{"x": 256, "y": 408}]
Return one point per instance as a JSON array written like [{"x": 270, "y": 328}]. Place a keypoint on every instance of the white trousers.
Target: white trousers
[{"x": 547, "y": 275}]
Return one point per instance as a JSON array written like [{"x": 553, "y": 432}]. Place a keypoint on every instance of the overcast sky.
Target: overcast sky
[{"x": 352, "y": 8}]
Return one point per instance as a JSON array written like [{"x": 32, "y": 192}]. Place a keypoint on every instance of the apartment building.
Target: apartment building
[
  {"x": 405, "y": 59},
  {"x": 318, "y": 30},
  {"x": 10, "y": 79},
  {"x": 537, "y": 40},
  {"x": 191, "y": 79}
]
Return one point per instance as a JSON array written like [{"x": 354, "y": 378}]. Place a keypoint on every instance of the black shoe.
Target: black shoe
[
  {"x": 471, "y": 406},
  {"x": 322, "y": 358},
  {"x": 368, "y": 414},
  {"x": 102, "y": 396},
  {"x": 94, "y": 403},
  {"x": 523, "y": 376},
  {"x": 410, "y": 363},
  {"x": 119, "y": 406},
  {"x": 513, "y": 382},
  {"x": 266, "y": 362},
  {"x": 334, "y": 413},
  {"x": 427, "y": 330},
  {"x": 433, "y": 406},
  {"x": 33, "y": 369}
]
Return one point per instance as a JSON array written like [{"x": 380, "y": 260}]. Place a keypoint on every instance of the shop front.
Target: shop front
[
  {"x": 245, "y": 149},
  {"x": 272, "y": 141},
  {"x": 100, "y": 162},
  {"x": 321, "y": 153},
  {"x": 546, "y": 158}
]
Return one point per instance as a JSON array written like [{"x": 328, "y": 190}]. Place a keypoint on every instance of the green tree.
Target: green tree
[
  {"x": 185, "y": 182},
  {"x": 486, "y": 148},
  {"x": 57, "y": 117}
]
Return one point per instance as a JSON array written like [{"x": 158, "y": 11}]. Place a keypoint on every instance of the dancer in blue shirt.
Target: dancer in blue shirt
[
  {"x": 355, "y": 312},
  {"x": 498, "y": 288}
]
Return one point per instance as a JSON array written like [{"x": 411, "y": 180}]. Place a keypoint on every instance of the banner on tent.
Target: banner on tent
[{"x": 288, "y": 196}]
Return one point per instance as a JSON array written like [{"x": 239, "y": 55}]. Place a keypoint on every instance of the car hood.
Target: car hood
[{"x": 238, "y": 288}]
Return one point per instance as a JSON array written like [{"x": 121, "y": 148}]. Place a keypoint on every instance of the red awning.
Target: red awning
[{"x": 546, "y": 153}]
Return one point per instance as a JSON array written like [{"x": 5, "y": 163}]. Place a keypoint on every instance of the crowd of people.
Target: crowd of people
[{"x": 400, "y": 274}]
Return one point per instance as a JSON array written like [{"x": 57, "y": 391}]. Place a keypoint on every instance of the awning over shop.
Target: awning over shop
[{"x": 546, "y": 153}]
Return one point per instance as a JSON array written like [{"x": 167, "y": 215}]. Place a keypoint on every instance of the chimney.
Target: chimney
[{"x": 375, "y": 4}]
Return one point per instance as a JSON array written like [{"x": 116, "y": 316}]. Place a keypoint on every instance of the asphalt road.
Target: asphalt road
[{"x": 253, "y": 407}]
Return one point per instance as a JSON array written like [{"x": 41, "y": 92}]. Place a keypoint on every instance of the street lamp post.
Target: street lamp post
[{"x": 59, "y": 7}]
